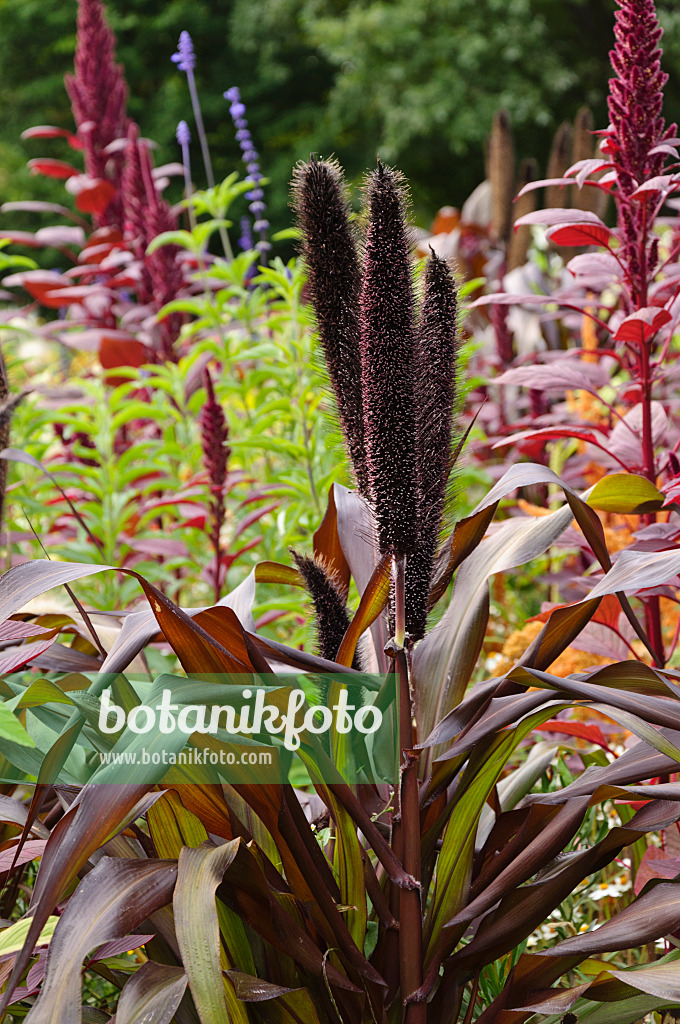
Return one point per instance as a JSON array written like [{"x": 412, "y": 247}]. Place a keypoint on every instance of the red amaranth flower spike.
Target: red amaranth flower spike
[
  {"x": 98, "y": 95},
  {"x": 216, "y": 452},
  {"x": 146, "y": 215},
  {"x": 637, "y": 128}
]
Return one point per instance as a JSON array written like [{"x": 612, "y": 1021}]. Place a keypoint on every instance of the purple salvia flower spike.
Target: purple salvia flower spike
[
  {"x": 183, "y": 135},
  {"x": 251, "y": 160},
  {"x": 185, "y": 58}
]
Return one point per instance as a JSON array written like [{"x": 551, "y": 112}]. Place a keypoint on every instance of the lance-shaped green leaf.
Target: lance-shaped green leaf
[
  {"x": 11, "y": 728},
  {"x": 115, "y": 897},
  {"x": 152, "y": 995},
  {"x": 201, "y": 870},
  {"x": 625, "y": 493}
]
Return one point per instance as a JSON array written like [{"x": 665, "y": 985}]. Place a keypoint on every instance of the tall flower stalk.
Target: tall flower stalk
[
  {"x": 185, "y": 59},
  {"x": 98, "y": 95},
  {"x": 634, "y": 142},
  {"x": 251, "y": 159},
  {"x": 393, "y": 371}
]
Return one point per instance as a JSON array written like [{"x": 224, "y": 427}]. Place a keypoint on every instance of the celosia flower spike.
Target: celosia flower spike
[
  {"x": 335, "y": 287},
  {"x": 435, "y": 399},
  {"x": 388, "y": 364}
]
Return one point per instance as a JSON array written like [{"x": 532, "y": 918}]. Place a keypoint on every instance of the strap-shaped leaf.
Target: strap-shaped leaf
[
  {"x": 115, "y": 897},
  {"x": 198, "y": 933},
  {"x": 152, "y": 994}
]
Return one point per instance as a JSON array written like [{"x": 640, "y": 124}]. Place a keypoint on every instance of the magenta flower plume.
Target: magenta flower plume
[
  {"x": 98, "y": 95},
  {"x": 146, "y": 215},
  {"x": 216, "y": 452},
  {"x": 334, "y": 284},
  {"x": 636, "y": 94},
  {"x": 637, "y": 129},
  {"x": 388, "y": 346}
]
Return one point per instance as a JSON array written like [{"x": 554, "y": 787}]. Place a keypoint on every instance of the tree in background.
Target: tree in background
[{"x": 417, "y": 82}]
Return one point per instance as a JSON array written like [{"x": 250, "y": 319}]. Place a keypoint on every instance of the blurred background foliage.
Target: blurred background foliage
[{"x": 416, "y": 82}]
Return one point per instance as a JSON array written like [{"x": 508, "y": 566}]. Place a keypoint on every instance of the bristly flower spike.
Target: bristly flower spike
[
  {"x": 388, "y": 347},
  {"x": 435, "y": 401},
  {"x": 332, "y": 617},
  {"x": 216, "y": 452},
  {"x": 334, "y": 283}
]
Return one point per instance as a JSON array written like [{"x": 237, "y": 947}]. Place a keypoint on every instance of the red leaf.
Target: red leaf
[
  {"x": 584, "y": 732},
  {"x": 93, "y": 195},
  {"x": 580, "y": 234},
  {"x": 48, "y": 131},
  {"x": 20, "y": 238},
  {"x": 31, "y": 850},
  {"x": 594, "y": 263},
  {"x": 61, "y": 235},
  {"x": 52, "y": 168},
  {"x": 546, "y": 433},
  {"x": 582, "y": 168},
  {"x": 641, "y": 325},
  {"x": 40, "y": 284},
  {"x": 661, "y": 183},
  {"x": 542, "y": 183},
  {"x": 114, "y": 352},
  {"x": 72, "y": 294}
]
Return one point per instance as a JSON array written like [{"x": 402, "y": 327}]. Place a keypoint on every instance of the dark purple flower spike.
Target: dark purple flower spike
[
  {"x": 434, "y": 400},
  {"x": 334, "y": 284},
  {"x": 388, "y": 355}
]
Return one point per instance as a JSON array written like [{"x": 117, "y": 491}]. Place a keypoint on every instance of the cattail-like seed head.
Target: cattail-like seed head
[
  {"x": 388, "y": 348},
  {"x": 520, "y": 238},
  {"x": 435, "y": 399},
  {"x": 330, "y": 254},
  {"x": 558, "y": 162},
  {"x": 328, "y": 598},
  {"x": 501, "y": 174}
]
